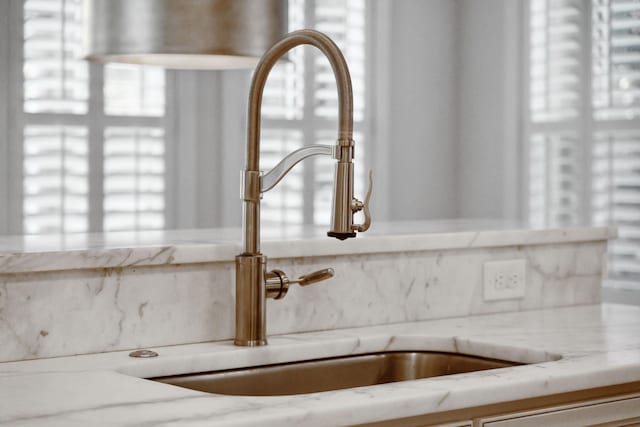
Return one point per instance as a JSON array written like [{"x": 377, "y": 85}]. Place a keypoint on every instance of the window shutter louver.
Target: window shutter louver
[
  {"x": 616, "y": 147},
  {"x": 344, "y": 22},
  {"x": 59, "y": 117},
  {"x": 555, "y": 103},
  {"x": 616, "y": 59},
  {"x": 133, "y": 178},
  {"x": 56, "y": 79},
  {"x": 283, "y": 96},
  {"x": 55, "y": 184},
  {"x": 616, "y": 198},
  {"x": 554, "y": 180},
  {"x": 283, "y": 204},
  {"x": 555, "y": 53},
  {"x": 299, "y": 107},
  {"x": 134, "y": 157},
  {"x": 132, "y": 90},
  {"x": 604, "y": 122}
]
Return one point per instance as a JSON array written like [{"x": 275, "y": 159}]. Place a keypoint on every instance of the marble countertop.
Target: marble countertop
[
  {"x": 567, "y": 349},
  {"x": 126, "y": 249}
]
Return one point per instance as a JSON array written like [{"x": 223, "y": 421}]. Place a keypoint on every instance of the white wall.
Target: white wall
[
  {"x": 422, "y": 109},
  {"x": 208, "y": 147},
  {"x": 196, "y": 149},
  {"x": 454, "y": 109},
  {"x": 488, "y": 105}
]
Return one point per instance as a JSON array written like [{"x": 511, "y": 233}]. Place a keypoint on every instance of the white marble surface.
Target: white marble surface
[
  {"x": 153, "y": 248},
  {"x": 61, "y": 313},
  {"x": 597, "y": 346}
]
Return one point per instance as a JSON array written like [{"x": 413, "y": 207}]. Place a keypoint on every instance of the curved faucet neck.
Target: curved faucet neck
[
  {"x": 251, "y": 211},
  {"x": 269, "y": 59}
]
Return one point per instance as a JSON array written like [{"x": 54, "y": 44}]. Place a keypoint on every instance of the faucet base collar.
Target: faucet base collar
[{"x": 249, "y": 343}]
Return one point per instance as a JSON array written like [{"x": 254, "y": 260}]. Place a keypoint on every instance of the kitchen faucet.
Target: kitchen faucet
[{"x": 253, "y": 283}]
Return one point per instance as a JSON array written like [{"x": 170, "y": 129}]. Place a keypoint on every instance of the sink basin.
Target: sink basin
[{"x": 333, "y": 373}]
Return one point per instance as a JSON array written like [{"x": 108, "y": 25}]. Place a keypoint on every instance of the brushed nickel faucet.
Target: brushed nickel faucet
[{"x": 253, "y": 283}]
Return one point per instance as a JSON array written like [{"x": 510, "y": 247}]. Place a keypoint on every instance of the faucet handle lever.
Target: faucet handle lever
[
  {"x": 277, "y": 283},
  {"x": 358, "y": 206},
  {"x": 316, "y": 276}
]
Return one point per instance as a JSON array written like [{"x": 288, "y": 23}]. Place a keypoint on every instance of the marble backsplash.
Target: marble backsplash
[{"x": 90, "y": 310}]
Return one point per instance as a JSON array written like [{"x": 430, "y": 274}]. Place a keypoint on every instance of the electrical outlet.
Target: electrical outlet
[{"x": 504, "y": 279}]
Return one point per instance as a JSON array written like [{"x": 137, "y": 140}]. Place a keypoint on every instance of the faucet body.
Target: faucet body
[{"x": 253, "y": 283}]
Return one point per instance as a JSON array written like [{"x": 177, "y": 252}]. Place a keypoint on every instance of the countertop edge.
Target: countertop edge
[{"x": 191, "y": 252}]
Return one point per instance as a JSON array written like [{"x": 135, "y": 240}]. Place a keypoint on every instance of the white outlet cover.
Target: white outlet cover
[{"x": 505, "y": 279}]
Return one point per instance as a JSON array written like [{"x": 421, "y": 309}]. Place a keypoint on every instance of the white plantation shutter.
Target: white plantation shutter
[
  {"x": 616, "y": 197},
  {"x": 344, "y": 22},
  {"x": 282, "y": 205},
  {"x": 62, "y": 119},
  {"x": 555, "y": 62},
  {"x": 283, "y": 96},
  {"x": 300, "y": 108},
  {"x": 616, "y": 59},
  {"x": 584, "y": 121},
  {"x": 134, "y": 171},
  {"x": 134, "y": 156},
  {"x": 110, "y": 122},
  {"x": 616, "y": 148},
  {"x": 554, "y": 179},
  {"x": 555, "y": 98},
  {"x": 131, "y": 90},
  {"x": 55, "y": 179},
  {"x": 56, "y": 79}
]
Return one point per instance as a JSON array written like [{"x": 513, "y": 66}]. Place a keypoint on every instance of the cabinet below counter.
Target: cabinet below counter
[{"x": 585, "y": 408}]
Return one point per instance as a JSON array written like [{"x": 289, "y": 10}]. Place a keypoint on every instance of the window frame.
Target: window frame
[
  {"x": 581, "y": 125},
  {"x": 204, "y": 122},
  {"x": 95, "y": 120},
  {"x": 585, "y": 126}
]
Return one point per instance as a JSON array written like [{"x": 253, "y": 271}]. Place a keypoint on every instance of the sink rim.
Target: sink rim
[{"x": 244, "y": 375}]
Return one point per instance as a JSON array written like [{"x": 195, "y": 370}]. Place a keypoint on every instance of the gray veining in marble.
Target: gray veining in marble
[
  {"x": 154, "y": 248},
  {"x": 567, "y": 349},
  {"x": 45, "y": 314}
]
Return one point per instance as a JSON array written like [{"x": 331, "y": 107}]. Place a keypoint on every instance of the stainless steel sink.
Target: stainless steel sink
[{"x": 333, "y": 374}]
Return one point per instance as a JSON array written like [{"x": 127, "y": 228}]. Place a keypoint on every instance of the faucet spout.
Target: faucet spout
[
  {"x": 269, "y": 59},
  {"x": 253, "y": 283},
  {"x": 344, "y": 151}
]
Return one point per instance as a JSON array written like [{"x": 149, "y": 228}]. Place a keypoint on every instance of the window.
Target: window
[
  {"x": 89, "y": 143},
  {"x": 92, "y": 137},
  {"x": 300, "y": 107},
  {"x": 583, "y": 121}
]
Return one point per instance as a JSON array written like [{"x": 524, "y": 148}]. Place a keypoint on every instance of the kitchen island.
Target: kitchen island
[
  {"x": 562, "y": 350},
  {"x": 73, "y": 307}
]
